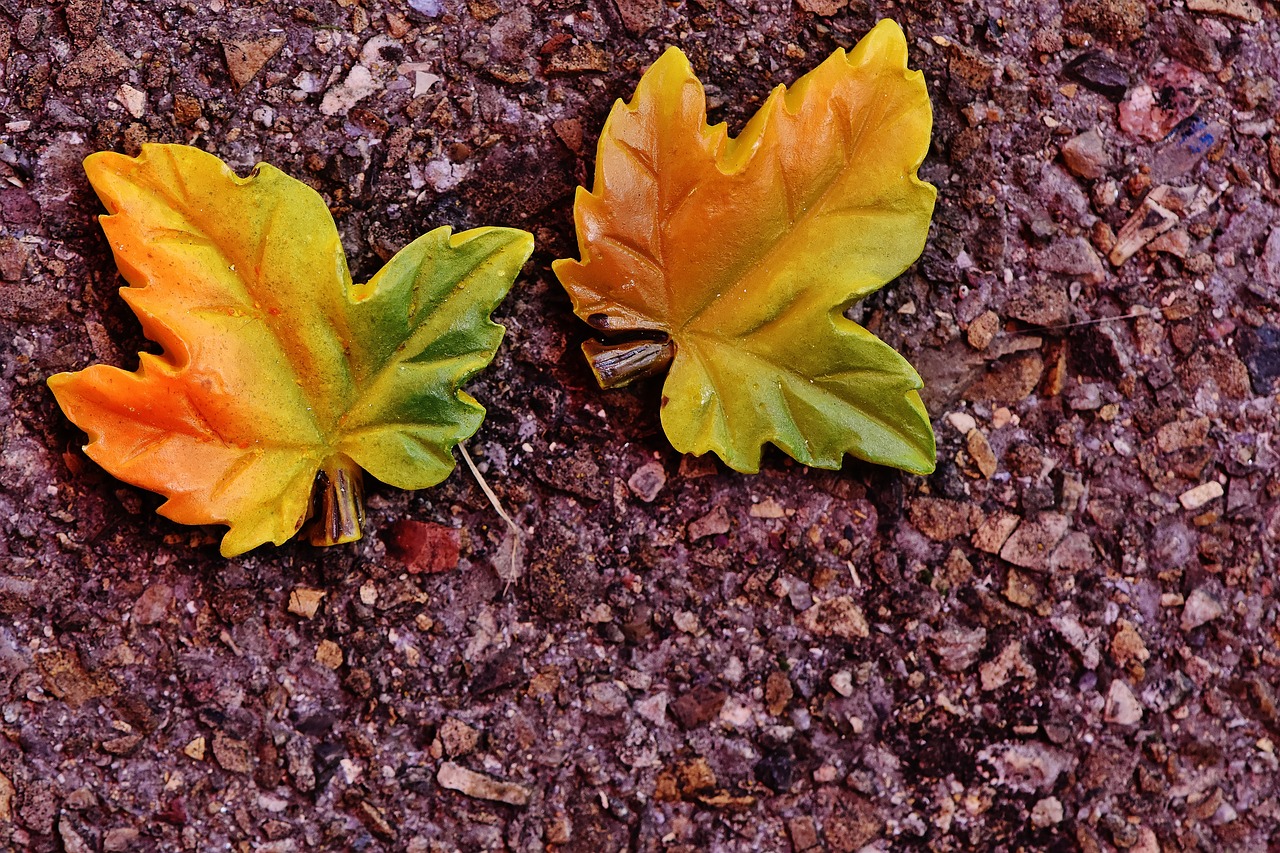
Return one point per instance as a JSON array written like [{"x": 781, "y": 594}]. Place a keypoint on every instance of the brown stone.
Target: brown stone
[
  {"x": 956, "y": 570},
  {"x": 853, "y": 824},
  {"x": 569, "y": 131},
  {"x": 606, "y": 698},
  {"x": 7, "y": 793},
  {"x": 577, "y": 473},
  {"x": 82, "y": 19},
  {"x": 839, "y": 617},
  {"x": 267, "y": 770},
  {"x": 712, "y": 524},
  {"x": 483, "y": 10},
  {"x": 1055, "y": 372},
  {"x": 1009, "y": 381},
  {"x": 38, "y": 806},
  {"x": 1044, "y": 304},
  {"x": 1176, "y": 242},
  {"x": 767, "y": 508},
  {"x": 1201, "y": 607},
  {"x": 1075, "y": 553},
  {"x": 804, "y": 834},
  {"x": 777, "y": 692},
  {"x": 120, "y": 839},
  {"x": 67, "y": 679},
  {"x": 823, "y": 8},
  {"x": 232, "y": 754},
  {"x": 1122, "y": 707},
  {"x": 1086, "y": 155},
  {"x": 994, "y": 531},
  {"x": 1021, "y": 589},
  {"x": 970, "y": 67},
  {"x": 398, "y": 25},
  {"x": 545, "y": 681},
  {"x": 1127, "y": 646},
  {"x": 1031, "y": 545},
  {"x": 698, "y": 707},
  {"x": 727, "y": 801},
  {"x": 640, "y": 16},
  {"x": 981, "y": 453},
  {"x": 1218, "y": 371},
  {"x": 186, "y": 109},
  {"x": 196, "y": 748},
  {"x": 246, "y": 57},
  {"x": 577, "y": 58},
  {"x": 96, "y": 62},
  {"x": 1117, "y": 21},
  {"x": 646, "y": 482},
  {"x": 374, "y": 818},
  {"x": 942, "y": 520},
  {"x": 1182, "y": 435},
  {"x": 666, "y": 789},
  {"x": 329, "y": 654},
  {"x": 695, "y": 777},
  {"x": 305, "y": 602},
  {"x": 1072, "y": 256},
  {"x": 694, "y": 467},
  {"x": 958, "y": 648},
  {"x": 1102, "y": 236},
  {"x": 457, "y": 737},
  {"x": 13, "y": 258},
  {"x": 983, "y": 329},
  {"x": 153, "y": 605},
  {"x": 1242, "y": 9},
  {"x": 124, "y": 745},
  {"x": 1010, "y": 662}
]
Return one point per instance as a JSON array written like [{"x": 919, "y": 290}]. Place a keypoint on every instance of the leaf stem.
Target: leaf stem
[
  {"x": 337, "y": 502},
  {"x": 616, "y": 365}
]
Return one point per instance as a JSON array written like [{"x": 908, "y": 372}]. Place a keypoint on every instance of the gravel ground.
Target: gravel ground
[{"x": 1066, "y": 638}]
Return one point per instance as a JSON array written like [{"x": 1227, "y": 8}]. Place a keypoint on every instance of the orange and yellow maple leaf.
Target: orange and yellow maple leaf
[
  {"x": 278, "y": 373},
  {"x": 735, "y": 258}
]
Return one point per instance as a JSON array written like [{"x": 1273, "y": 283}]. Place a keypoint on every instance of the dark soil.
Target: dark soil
[{"x": 1066, "y": 638}]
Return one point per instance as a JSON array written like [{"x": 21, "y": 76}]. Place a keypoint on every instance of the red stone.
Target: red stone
[{"x": 424, "y": 547}]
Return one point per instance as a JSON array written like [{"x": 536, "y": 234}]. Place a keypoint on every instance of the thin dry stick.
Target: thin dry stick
[
  {"x": 1145, "y": 312},
  {"x": 497, "y": 507}
]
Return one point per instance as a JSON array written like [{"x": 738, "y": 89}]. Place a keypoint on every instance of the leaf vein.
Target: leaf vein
[
  {"x": 800, "y": 381},
  {"x": 641, "y": 158},
  {"x": 234, "y": 471},
  {"x": 411, "y": 346},
  {"x": 814, "y": 211}
]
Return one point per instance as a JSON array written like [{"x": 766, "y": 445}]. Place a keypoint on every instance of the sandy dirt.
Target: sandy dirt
[{"x": 1066, "y": 638}]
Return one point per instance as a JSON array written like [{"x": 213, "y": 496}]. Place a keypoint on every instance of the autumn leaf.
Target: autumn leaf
[
  {"x": 279, "y": 377},
  {"x": 732, "y": 260}
]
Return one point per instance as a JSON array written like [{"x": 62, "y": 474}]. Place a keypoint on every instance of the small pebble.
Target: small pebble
[
  {"x": 1201, "y": 608},
  {"x": 1201, "y": 495},
  {"x": 842, "y": 682},
  {"x": 1047, "y": 812},
  {"x": 647, "y": 481}
]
